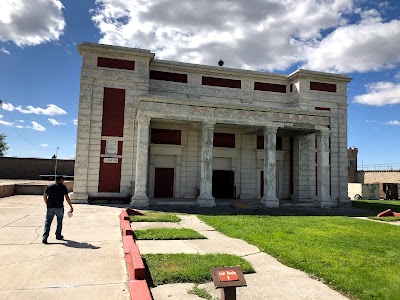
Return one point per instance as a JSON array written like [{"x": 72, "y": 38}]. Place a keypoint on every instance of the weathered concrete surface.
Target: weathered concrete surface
[
  {"x": 88, "y": 264},
  {"x": 272, "y": 279}
]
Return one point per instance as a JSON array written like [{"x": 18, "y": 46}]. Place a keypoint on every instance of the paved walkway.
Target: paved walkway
[
  {"x": 272, "y": 279},
  {"x": 396, "y": 223},
  {"x": 89, "y": 264}
]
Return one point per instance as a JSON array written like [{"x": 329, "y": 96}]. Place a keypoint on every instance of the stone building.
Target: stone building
[
  {"x": 386, "y": 180},
  {"x": 151, "y": 128}
]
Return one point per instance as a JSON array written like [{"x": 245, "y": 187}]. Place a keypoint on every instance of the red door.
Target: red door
[
  {"x": 164, "y": 183},
  {"x": 262, "y": 184}
]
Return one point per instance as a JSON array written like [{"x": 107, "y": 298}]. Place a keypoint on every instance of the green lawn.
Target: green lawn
[
  {"x": 377, "y": 204},
  {"x": 357, "y": 257},
  {"x": 168, "y": 234},
  {"x": 155, "y": 216},
  {"x": 195, "y": 268}
]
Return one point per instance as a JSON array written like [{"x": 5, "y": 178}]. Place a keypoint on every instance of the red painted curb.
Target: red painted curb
[
  {"x": 386, "y": 213},
  {"x": 124, "y": 215},
  {"x": 139, "y": 290},
  {"x": 126, "y": 227}
]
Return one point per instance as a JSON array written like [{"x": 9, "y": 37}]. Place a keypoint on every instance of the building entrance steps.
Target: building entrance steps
[{"x": 272, "y": 279}]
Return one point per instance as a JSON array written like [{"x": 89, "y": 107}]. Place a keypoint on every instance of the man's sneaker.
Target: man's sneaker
[
  {"x": 44, "y": 241},
  {"x": 61, "y": 237}
]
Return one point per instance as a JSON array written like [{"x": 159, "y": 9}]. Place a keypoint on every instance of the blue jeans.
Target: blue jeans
[{"x": 51, "y": 211}]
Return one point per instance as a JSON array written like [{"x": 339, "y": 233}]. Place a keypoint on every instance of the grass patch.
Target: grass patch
[
  {"x": 385, "y": 219},
  {"x": 377, "y": 204},
  {"x": 200, "y": 292},
  {"x": 155, "y": 216},
  {"x": 356, "y": 257},
  {"x": 168, "y": 234},
  {"x": 195, "y": 268}
]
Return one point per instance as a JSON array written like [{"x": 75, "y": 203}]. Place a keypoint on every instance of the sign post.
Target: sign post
[{"x": 228, "y": 279}]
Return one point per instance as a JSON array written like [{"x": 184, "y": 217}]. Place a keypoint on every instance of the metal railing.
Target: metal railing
[{"x": 379, "y": 167}]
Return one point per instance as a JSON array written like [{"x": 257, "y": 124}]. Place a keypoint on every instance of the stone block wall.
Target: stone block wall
[{"x": 32, "y": 168}]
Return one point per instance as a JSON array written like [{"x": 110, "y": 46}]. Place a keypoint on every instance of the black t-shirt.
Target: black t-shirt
[{"x": 56, "y": 193}]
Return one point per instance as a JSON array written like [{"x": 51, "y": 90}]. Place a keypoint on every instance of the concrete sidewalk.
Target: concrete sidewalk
[
  {"x": 272, "y": 279},
  {"x": 88, "y": 264}
]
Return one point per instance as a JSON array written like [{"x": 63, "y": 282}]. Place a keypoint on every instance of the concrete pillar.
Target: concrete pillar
[
  {"x": 323, "y": 173},
  {"x": 205, "y": 198},
  {"x": 140, "y": 199},
  {"x": 270, "y": 199}
]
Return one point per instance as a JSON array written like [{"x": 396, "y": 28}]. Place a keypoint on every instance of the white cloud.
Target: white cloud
[
  {"x": 361, "y": 47},
  {"x": 370, "y": 121},
  {"x": 75, "y": 121},
  {"x": 36, "y": 126},
  {"x": 393, "y": 122},
  {"x": 51, "y": 110},
  {"x": 266, "y": 35},
  {"x": 28, "y": 23},
  {"x": 44, "y": 145},
  {"x": 19, "y": 126},
  {"x": 5, "y": 123},
  {"x": 55, "y": 122},
  {"x": 380, "y": 93},
  {"x": 1, "y": 116},
  {"x": 20, "y": 121},
  {"x": 8, "y": 106},
  {"x": 4, "y": 50}
]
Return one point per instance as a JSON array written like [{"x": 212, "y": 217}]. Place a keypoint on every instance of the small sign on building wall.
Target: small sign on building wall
[
  {"x": 111, "y": 147},
  {"x": 111, "y": 160}
]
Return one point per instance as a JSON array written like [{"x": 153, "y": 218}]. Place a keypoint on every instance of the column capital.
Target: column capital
[
  {"x": 144, "y": 120},
  {"x": 270, "y": 129},
  {"x": 208, "y": 124},
  {"x": 323, "y": 132}
]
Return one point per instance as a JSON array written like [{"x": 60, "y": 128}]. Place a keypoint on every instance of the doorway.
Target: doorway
[
  {"x": 223, "y": 186},
  {"x": 390, "y": 190},
  {"x": 164, "y": 182}
]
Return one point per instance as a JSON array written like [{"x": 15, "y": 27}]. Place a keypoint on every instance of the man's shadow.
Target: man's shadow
[{"x": 74, "y": 244}]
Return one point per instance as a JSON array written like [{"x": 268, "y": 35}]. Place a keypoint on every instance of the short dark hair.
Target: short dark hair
[{"x": 59, "y": 177}]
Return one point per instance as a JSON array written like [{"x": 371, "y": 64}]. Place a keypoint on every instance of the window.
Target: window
[
  {"x": 225, "y": 140},
  {"x": 115, "y": 63},
  {"x": 165, "y": 136},
  {"x": 260, "y": 142},
  {"x": 168, "y": 76},
  {"x": 324, "y": 87},
  {"x": 270, "y": 87},
  {"x": 223, "y": 82}
]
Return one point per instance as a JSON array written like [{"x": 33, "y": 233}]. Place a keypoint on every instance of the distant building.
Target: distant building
[
  {"x": 388, "y": 181},
  {"x": 151, "y": 128}
]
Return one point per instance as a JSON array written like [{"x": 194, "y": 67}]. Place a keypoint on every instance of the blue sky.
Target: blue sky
[{"x": 40, "y": 64}]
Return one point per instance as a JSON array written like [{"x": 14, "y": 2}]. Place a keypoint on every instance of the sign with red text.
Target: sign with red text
[{"x": 228, "y": 277}]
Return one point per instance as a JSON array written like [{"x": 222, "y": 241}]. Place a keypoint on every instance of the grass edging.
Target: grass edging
[
  {"x": 155, "y": 216},
  {"x": 189, "y": 268},
  {"x": 168, "y": 234},
  {"x": 385, "y": 219}
]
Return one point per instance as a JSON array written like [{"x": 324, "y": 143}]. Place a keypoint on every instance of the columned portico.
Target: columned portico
[
  {"x": 270, "y": 199},
  {"x": 140, "y": 198},
  {"x": 205, "y": 198},
  {"x": 323, "y": 172}
]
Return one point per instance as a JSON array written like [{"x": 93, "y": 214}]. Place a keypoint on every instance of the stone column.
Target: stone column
[
  {"x": 205, "y": 198},
  {"x": 270, "y": 199},
  {"x": 323, "y": 173},
  {"x": 140, "y": 199}
]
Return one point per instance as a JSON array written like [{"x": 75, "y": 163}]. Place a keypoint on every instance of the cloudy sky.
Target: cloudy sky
[{"x": 40, "y": 65}]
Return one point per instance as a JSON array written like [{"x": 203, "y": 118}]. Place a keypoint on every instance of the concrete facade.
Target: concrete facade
[{"x": 310, "y": 165}]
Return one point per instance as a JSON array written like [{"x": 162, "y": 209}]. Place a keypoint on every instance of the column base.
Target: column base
[
  {"x": 345, "y": 203},
  {"x": 206, "y": 201},
  {"x": 79, "y": 198},
  {"x": 326, "y": 202},
  {"x": 140, "y": 201},
  {"x": 270, "y": 202}
]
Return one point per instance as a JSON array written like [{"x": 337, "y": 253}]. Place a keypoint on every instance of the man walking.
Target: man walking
[{"x": 54, "y": 199}]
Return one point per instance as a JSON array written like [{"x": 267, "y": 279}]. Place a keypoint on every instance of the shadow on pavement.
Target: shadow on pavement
[{"x": 74, "y": 244}]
